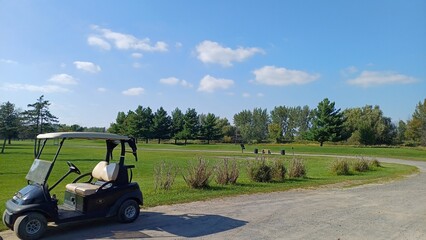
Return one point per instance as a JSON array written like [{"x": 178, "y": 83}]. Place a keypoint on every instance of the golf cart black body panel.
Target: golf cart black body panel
[{"x": 33, "y": 205}]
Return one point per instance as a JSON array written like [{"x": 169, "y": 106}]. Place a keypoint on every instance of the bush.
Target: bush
[
  {"x": 375, "y": 163},
  {"x": 259, "y": 171},
  {"x": 340, "y": 167},
  {"x": 361, "y": 165},
  {"x": 164, "y": 176},
  {"x": 278, "y": 171},
  {"x": 227, "y": 173},
  {"x": 198, "y": 175},
  {"x": 297, "y": 168}
]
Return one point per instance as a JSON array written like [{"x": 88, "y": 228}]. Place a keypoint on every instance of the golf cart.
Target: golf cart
[{"x": 107, "y": 191}]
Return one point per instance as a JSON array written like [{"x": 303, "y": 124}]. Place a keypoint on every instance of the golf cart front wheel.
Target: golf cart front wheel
[
  {"x": 128, "y": 211},
  {"x": 30, "y": 226}
]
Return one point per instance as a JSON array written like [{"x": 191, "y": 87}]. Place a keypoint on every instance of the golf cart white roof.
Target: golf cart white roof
[{"x": 82, "y": 135}]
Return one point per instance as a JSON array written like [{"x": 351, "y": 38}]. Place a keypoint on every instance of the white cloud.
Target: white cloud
[
  {"x": 63, "y": 79},
  {"x": 134, "y": 91},
  {"x": 101, "y": 89},
  {"x": 210, "y": 84},
  {"x": 172, "y": 81},
  {"x": 213, "y": 52},
  {"x": 260, "y": 94},
  {"x": 349, "y": 71},
  {"x": 34, "y": 88},
  {"x": 186, "y": 84},
  {"x": 372, "y": 78},
  {"x": 8, "y": 61},
  {"x": 137, "y": 65},
  {"x": 98, "y": 42},
  {"x": 127, "y": 42},
  {"x": 246, "y": 95},
  {"x": 271, "y": 75},
  {"x": 137, "y": 55},
  {"x": 87, "y": 66},
  {"x": 178, "y": 45}
]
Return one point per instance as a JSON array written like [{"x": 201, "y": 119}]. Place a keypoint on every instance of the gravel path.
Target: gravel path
[{"x": 392, "y": 210}]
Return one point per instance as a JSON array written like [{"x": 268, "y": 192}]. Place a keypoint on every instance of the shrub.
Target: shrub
[
  {"x": 297, "y": 168},
  {"x": 375, "y": 163},
  {"x": 259, "y": 171},
  {"x": 164, "y": 176},
  {"x": 278, "y": 171},
  {"x": 361, "y": 165},
  {"x": 198, "y": 175},
  {"x": 340, "y": 167},
  {"x": 227, "y": 173}
]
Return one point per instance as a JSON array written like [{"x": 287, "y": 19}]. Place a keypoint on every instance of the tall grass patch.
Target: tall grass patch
[
  {"x": 164, "y": 175},
  {"x": 297, "y": 168},
  {"x": 227, "y": 172},
  {"x": 198, "y": 175},
  {"x": 278, "y": 170},
  {"x": 340, "y": 167}
]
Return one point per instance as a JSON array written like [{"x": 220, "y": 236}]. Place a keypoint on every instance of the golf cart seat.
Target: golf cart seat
[{"x": 104, "y": 173}]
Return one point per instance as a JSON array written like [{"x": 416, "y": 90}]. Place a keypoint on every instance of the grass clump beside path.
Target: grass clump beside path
[{"x": 17, "y": 160}]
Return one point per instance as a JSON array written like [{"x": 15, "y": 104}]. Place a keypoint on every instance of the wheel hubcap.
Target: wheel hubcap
[
  {"x": 130, "y": 212},
  {"x": 33, "y": 226}
]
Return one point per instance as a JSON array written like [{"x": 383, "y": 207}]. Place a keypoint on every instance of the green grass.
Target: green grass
[
  {"x": 411, "y": 153},
  {"x": 14, "y": 165}
]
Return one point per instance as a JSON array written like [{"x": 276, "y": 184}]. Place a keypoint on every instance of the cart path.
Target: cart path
[{"x": 392, "y": 210}]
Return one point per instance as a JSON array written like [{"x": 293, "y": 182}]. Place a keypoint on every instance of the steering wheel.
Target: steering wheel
[{"x": 73, "y": 168}]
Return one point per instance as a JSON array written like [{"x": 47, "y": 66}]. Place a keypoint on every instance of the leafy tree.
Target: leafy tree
[
  {"x": 39, "y": 119},
  {"x": 244, "y": 121},
  {"x": 260, "y": 124},
  {"x": 304, "y": 121},
  {"x": 416, "y": 127},
  {"x": 292, "y": 121},
  {"x": 280, "y": 121},
  {"x": 9, "y": 123},
  {"x": 228, "y": 131},
  {"x": 401, "y": 129},
  {"x": 328, "y": 123},
  {"x": 368, "y": 126},
  {"x": 161, "y": 125},
  {"x": 253, "y": 126},
  {"x": 177, "y": 124},
  {"x": 209, "y": 127},
  {"x": 275, "y": 132}
]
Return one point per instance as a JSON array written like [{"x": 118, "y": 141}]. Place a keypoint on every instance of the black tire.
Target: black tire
[
  {"x": 30, "y": 226},
  {"x": 4, "y": 220},
  {"x": 128, "y": 211}
]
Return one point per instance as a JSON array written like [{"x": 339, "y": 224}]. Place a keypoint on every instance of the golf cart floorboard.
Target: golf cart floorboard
[{"x": 66, "y": 212}]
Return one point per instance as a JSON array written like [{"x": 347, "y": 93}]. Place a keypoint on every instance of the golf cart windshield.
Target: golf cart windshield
[{"x": 39, "y": 171}]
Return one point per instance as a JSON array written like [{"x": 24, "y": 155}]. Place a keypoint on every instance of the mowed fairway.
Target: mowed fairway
[{"x": 18, "y": 158}]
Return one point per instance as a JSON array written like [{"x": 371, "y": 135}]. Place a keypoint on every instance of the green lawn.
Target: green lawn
[{"x": 14, "y": 165}]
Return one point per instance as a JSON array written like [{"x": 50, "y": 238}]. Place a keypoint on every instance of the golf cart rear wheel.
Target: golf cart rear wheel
[
  {"x": 128, "y": 211},
  {"x": 4, "y": 221},
  {"x": 30, "y": 226}
]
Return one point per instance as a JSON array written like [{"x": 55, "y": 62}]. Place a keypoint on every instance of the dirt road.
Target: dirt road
[{"x": 393, "y": 210}]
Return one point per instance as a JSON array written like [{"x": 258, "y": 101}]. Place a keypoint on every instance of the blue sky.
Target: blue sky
[{"x": 92, "y": 59}]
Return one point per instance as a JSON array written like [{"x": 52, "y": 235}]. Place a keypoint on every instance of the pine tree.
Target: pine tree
[
  {"x": 161, "y": 125},
  {"x": 327, "y": 124}
]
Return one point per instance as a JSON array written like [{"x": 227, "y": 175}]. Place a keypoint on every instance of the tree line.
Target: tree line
[{"x": 361, "y": 125}]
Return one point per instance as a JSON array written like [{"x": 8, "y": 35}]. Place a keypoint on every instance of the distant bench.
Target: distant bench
[{"x": 268, "y": 151}]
